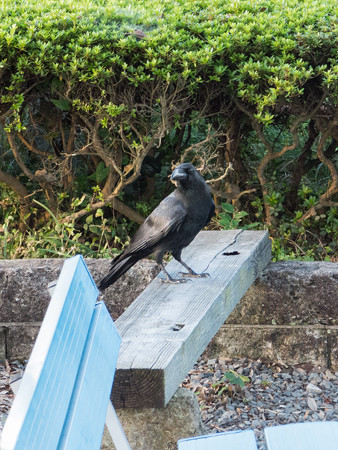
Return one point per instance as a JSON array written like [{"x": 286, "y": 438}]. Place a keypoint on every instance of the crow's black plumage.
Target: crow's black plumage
[{"x": 170, "y": 227}]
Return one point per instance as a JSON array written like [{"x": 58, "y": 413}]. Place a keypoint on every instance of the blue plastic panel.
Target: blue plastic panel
[
  {"x": 37, "y": 416},
  {"x": 232, "y": 440},
  {"x": 88, "y": 408},
  {"x": 303, "y": 436}
]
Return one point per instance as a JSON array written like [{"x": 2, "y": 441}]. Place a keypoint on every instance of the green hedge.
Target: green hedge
[
  {"x": 88, "y": 89},
  {"x": 263, "y": 52}
]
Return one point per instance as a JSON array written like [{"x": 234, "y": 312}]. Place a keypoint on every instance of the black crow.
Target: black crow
[{"x": 170, "y": 227}]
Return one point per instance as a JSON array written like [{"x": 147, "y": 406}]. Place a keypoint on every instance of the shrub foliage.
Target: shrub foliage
[{"x": 96, "y": 96}]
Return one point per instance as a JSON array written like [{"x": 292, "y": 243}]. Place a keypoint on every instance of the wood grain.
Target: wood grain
[{"x": 168, "y": 326}]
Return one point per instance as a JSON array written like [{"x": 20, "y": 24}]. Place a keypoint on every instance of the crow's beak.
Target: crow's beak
[{"x": 178, "y": 175}]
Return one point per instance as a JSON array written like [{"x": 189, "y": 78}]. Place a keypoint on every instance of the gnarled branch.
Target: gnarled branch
[
  {"x": 38, "y": 179},
  {"x": 23, "y": 194},
  {"x": 325, "y": 199}
]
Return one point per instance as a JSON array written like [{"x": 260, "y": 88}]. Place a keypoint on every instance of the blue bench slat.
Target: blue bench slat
[
  {"x": 88, "y": 408},
  {"x": 304, "y": 436},
  {"x": 45, "y": 391},
  {"x": 234, "y": 440}
]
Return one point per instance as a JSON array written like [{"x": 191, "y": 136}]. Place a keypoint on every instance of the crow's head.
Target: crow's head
[
  {"x": 183, "y": 172},
  {"x": 186, "y": 176}
]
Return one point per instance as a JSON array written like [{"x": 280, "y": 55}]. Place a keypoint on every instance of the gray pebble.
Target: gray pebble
[
  {"x": 286, "y": 376},
  {"x": 314, "y": 389},
  {"x": 325, "y": 384},
  {"x": 297, "y": 393},
  {"x": 312, "y": 404}
]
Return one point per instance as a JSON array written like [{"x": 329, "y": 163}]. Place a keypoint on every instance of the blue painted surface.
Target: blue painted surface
[
  {"x": 300, "y": 436},
  {"x": 39, "y": 410},
  {"x": 303, "y": 436},
  {"x": 232, "y": 440},
  {"x": 86, "y": 416}
]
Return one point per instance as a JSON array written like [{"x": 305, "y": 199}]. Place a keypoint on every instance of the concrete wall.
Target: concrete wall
[{"x": 289, "y": 314}]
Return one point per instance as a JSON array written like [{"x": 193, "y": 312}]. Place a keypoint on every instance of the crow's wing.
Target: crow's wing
[
  {"x": 211, "y": 213},
  {"x": 163, "y": 221}
]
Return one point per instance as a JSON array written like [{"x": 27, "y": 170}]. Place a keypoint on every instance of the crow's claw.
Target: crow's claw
[
  {"x": 194, "y": 275},
  {"x": 175, "y": 281}
]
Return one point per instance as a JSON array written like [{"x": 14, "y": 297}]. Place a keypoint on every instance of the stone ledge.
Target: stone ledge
[
  {"x": 291, "y": 293},
  {"x": 290, "y": 312},
  {"x": 291, "y": 344}
]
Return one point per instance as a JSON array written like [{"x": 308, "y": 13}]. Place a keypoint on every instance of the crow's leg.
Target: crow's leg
[
  {"x": 191, "y": 273},
  {"x": 168, "y": 278}
]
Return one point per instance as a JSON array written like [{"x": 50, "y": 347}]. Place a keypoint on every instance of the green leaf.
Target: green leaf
[
  {"x": 89, "y": 219},
  {"x": 62, "y": 104},
  {"x": 251, "y": 225},
  {"x": 235, "y": 378},
  {"x": 225, "y": 221},
  {"x": 47, "y": 209},
  {"x": 100, "y": 173},
  {"x": 240, "y": 214},
  {"x": 228, "y": 207},
  {"x": 56, "y": 83}
]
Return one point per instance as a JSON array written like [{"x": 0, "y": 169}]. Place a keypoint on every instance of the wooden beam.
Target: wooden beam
[{"x": 168, "y": 326}]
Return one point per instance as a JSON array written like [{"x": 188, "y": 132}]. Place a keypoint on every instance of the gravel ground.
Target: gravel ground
[
  {"x": 275, "y": 394},
  {"x": 6, "y": 395}
]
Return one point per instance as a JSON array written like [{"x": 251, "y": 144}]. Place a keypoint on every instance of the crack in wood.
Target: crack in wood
[{"x": 223, "y": 251}]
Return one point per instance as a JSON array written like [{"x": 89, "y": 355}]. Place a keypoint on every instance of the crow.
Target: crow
[{"x": 171, "y": 227}]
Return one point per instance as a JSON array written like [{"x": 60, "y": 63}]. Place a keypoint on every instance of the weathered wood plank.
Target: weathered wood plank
[{"x": 168, "y": 326}]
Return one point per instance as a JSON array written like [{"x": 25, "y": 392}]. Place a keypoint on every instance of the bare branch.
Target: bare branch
[
  {"x": 270, "y": 154},
  {"x": 100, "y": 204},
  {"x": 232, "y": 196},
  {"x": 31, "y": 146},
  {"x": 325, "y": 199},
  {"x": 221, "y": 177},
  {"x": 38, "y": 179},
  {"x": 21, "y": 191},
  {"x": 19, "y": 160}
]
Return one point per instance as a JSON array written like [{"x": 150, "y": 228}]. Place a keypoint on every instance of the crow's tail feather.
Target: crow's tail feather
[
  {"x": 117, "y": 270},
  {"x": 119, "y": 267}
]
